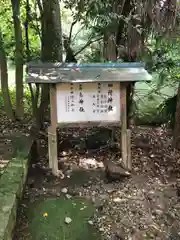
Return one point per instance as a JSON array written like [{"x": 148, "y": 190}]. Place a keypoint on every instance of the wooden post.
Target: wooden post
[
  {"x": 129, "y": 160},
  {"x": 52, "y": 132},
  {"x": 123, "y": 125},
  {"x": 50, "y": 147}
]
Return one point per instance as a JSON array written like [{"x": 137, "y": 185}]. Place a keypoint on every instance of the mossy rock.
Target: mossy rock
[{"x": 47, "y": 220}]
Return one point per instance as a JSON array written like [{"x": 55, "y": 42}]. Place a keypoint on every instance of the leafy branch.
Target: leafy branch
[{"x": 90, "y": 41}]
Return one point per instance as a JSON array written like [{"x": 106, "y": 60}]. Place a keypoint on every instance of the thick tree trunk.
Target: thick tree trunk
[
  {"x": 51, "y": 32},
  {"x": 110, "y": 53},
  {"x": 176, "y": 135},
  {"x": 18, "y": 58},
  {"x": 51, "y": 47},
  {"x": 4, "y": 82}
]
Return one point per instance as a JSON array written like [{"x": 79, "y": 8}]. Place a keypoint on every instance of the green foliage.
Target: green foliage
[
  {"x": 27, "y": 99},
  {"x": 153, "y": 114},
  {"x": 93, "y": 19},
  {"x": 168, "y": 109},
  {"x": 162, "y": 57},
  {"x": 6, "y": 26}
]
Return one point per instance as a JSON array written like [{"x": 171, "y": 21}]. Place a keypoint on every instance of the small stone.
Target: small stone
[
  {"x": 64, "y": 153},
  {"x": 90, "y": 222},
  {"x": 101, "y": 229},
  {"x": 81, "y": 209},
  {"x": 93, "y": 193},
  {"x": 172, "y": 215},
  {"x": 117, "y": 200},
  {"x": 68, "y": 220},
  {"x": 100, "y": 165},
  {"x": 58, "y": 194},
  {"x": 103, "y": 196},
  {"x": 68, "y": 196},
  {"x": 158, "y": 211},
  {"x": 64, "y": 190}
]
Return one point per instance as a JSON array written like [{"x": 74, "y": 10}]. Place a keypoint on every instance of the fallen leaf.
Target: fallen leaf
[{"x": 45, "y": 214}]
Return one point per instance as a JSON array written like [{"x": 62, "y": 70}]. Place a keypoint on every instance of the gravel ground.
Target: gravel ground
[{"x": 144, "y": 206}]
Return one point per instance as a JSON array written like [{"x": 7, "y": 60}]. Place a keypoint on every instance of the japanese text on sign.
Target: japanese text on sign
[{"x": 84, "y": 102}]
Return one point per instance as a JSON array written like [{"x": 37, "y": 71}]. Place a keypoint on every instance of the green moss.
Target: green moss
[{"x": 53, "y": 226}]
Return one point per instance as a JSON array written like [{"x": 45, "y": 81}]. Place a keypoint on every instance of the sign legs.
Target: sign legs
[
  {"x": 53, "y": 155},
  {"x": 52, "y": 132},
  {"x": 125, "y": 133}
]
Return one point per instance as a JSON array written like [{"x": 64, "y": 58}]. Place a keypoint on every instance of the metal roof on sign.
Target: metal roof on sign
[{"x": 94, "y": 72}]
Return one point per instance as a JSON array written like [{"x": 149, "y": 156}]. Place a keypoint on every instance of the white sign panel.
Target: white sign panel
[{"x": 84, "y": 102}]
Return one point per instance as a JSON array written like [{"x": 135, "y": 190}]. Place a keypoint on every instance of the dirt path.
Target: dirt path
[{"x": 145, "y": 206}]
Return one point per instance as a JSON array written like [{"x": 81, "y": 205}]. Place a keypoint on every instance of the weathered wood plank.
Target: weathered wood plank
[
  {"x": 52, "y": 133},
  {"x": 129, "y": 159},
  {"x": 123, "y": 125},
  {"x": 89, "y": 124}
]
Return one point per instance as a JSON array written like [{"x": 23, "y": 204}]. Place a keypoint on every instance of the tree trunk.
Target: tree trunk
[
  {"x": 51, "y": 47},
  {"x": 18, "y": 58},
  {"x": 51, "y": 32},
  {"x": 176, "y": 135},
  {"x": 4, "y": 82},
  {"x": 110, "y": 53}
]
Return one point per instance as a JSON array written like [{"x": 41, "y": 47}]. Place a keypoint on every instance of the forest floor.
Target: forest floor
[{"x": 145, "y": 206}]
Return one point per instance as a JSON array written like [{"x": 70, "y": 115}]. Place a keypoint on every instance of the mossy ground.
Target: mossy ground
[{"x": 53, "y": 226}]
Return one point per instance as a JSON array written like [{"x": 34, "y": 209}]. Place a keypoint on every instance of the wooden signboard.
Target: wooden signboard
[
  {"x": 88, "y": 102},
  {"x": 83, "y": 94}
]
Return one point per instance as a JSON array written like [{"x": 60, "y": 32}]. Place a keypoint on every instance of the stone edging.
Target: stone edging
[{"x": 12, "y": 184}]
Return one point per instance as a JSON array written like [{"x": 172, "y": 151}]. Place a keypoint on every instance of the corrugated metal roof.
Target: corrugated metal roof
[{"x": 95, "y": 72}]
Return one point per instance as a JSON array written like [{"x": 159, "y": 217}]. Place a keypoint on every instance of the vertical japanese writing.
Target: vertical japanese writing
[
  {"x": 94, "y": 102},
  {"x": 103, "y": 99},
  {"x": 71, "y": 103},
  {"x": 81, "y": 99},
  {"x": 110, "y": 97},
  {"x": 98, "y": 98}
]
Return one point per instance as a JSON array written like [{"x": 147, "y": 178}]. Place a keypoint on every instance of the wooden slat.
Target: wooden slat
[
  {"x": 129, "y": 160},
  {"x": 52, "y": 132},
  {"x": 89, "y": 75},
  {"x": 38, "y": 64},
  {"x": 50, "y": 147},
  {"x": 123, "y": 125},
  {"x": 89, "y": 124}
]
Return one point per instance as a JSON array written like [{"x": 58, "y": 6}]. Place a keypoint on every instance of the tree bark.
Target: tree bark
[
  {"x": 4, "y": 82},
  {"x": 51, "y": 47},
  {"x": 110, "y": 53},
  {"x": 176, "y": 135},
  {"x": 51, "y": 31},
  {"x": 18, "y": 58}
]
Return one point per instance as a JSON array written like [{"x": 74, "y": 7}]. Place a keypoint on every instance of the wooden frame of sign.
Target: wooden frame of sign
[
  {"x": 59, "y": 73},
  {"x": 52, "y": 130}
]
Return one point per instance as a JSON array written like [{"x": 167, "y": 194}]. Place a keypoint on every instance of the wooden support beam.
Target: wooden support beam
[
  {"x": 123, "y": 124},
  {"x": 129, "y": 160},
  {"x": 50, "y": 147},
  {"x": 125, "y": 133},
  {"x": 52, "y": 132}
]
